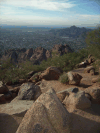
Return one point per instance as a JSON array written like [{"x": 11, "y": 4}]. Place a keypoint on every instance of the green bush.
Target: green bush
[
  {"x": 64, "y": 78},
  {"x": 93, "y": 43}
]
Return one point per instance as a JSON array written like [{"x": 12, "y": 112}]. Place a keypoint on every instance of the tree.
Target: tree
[
  {"x": 93, "y": 42},
  {"x": 93, "y": 37}
]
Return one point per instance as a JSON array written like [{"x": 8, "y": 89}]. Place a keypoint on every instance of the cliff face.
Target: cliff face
[{"x": 36, "y": 56}]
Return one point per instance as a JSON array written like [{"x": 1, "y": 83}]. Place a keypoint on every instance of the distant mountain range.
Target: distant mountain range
[{"x": 73, "y": 32}]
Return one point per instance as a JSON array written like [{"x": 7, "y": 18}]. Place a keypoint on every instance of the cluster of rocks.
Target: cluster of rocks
[
  {"x": 51, "y": 73},
  {"x": 87, "y": 62},
  {"x": 35, "y": 56},
  {"x": 73, "y": 98}
]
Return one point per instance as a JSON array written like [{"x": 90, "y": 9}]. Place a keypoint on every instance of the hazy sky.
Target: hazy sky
[{"x": 50, "y": 12}]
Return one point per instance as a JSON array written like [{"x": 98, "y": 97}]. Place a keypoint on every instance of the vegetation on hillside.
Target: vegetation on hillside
[
  {"x": 67, "y": 62},
  {"x": 93, "y": 43}
]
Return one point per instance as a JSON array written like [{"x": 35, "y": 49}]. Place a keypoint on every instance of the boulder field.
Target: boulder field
[{"x": 42, "y": 104}]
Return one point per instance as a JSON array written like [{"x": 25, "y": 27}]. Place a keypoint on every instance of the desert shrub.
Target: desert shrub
[
  {"x": 9, "y": 72},
  {"x": 63, "y": 78},
  {"x": 67, "y": 61},
  {"x": 93, "y": 42}
]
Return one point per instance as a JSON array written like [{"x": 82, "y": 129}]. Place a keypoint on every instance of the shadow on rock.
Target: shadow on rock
[
  {"x": 84, "y": 85},
  {"x": 95, "y": 109},
  {"x": 84, "y": 125},
  {"x": 7, "y": 124}
]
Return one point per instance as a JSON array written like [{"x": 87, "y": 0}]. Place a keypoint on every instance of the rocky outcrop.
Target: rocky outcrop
[
  {"x": 61, "y": 49},
  {"x": 35, "y": 56},
  {"x": 39, "y": 55},
  {"x": 28, "y": 53},
  {"x": 47, "y": 114}
]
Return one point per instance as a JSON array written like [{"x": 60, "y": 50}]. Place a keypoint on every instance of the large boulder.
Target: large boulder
[
  {"x": 74, "y": 78},
  {"x": 51, "y": 73},
  {"x": 94, "y": 92},
  {"x": 47, "y": 114},
  {"x": 3, "y": 88},
  {"x": 29, "y": 91},
  {"x": 77, "y": 100}
]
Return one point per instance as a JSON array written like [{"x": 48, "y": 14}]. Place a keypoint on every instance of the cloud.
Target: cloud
[
  {"x": 9, "y": 10},
  {"x": 51, "y": 5},
  {"x": 22, "y": 12}
]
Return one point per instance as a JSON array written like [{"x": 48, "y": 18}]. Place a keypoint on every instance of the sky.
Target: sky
[{"x": 63, "y": 13}]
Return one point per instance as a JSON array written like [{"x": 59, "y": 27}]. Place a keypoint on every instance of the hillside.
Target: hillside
[{"x": 73, "y": 31}]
